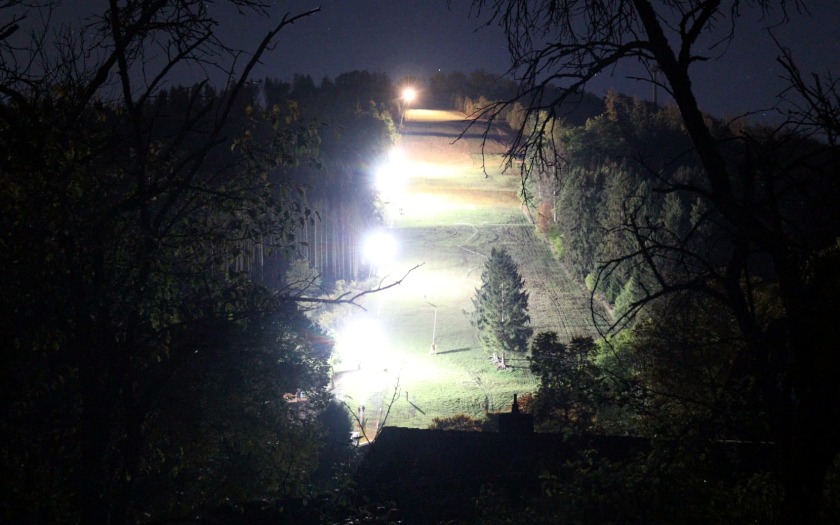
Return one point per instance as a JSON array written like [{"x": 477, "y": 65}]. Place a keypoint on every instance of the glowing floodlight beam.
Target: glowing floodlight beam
[
  {"x": 360, "y": 343},
  {"x": 409, "y": 94},
  {"x": 390, "y": 183},
  {"x": 396, "y": 157},
  {"x": 392, "y": 177},
  {"x": 380, "y": 249}
]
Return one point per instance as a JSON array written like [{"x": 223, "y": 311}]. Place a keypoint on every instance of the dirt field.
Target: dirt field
[{"x": 447, "y": 216}]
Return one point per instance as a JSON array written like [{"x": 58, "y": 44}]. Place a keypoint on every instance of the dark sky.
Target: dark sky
[
  {"x": 420, "y": 37},
  {"x": 396, "y": 37}
]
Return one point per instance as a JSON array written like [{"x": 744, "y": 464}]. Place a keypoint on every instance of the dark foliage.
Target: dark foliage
[
  {"x": 722, "y": 217},
  {"x": 154, "y": 346},
  {"x": 566, "y": 400}
]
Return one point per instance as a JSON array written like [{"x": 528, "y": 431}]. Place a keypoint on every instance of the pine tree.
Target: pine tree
[{"x": 501, "y": 305}]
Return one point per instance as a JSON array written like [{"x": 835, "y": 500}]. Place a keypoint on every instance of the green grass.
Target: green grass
[{"x": 448, "y": 219}]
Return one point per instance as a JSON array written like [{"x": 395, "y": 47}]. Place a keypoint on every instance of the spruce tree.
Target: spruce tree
[{"x": 501, "y": 305}]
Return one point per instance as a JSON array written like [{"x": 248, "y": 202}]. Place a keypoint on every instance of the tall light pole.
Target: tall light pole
[
  {"x": 433, "y": 349},
  {"x": 407, "y": 98}
]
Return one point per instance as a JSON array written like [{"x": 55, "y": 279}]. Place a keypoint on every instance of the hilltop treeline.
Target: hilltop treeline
[{"x": 480, "y": 93}]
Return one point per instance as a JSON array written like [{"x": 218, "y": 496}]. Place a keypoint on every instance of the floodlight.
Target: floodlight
[
  {"x": 380, "y": 248},
  {"x": 409, "y": 94},
  {"x": 359, "y": 343}
]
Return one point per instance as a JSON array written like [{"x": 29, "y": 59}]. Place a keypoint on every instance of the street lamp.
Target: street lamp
[{"x": 408, "y": 96}]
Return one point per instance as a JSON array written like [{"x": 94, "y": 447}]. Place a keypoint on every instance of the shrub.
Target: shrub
[
  {"x": 589, "y": 281},
  {"x": 459, "y": 422}
]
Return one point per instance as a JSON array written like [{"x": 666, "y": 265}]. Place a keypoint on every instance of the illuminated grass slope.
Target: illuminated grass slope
[{"x": 445, "y": 214}]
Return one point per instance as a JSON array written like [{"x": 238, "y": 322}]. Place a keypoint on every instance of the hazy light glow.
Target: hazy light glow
[
  {"x": 443, "y": 285},
  {"x": 380, "y": 248},
  {"x": 409, "y": 94},
  {"x": 392, "y": 177},
  {"x": 389, "y": 184},
  {"x": 361, "y": 343},
  {"x": 430, "y": 205},
  {"x": 396, "y": 156}
]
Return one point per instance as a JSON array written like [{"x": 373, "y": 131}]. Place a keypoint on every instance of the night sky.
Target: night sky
[{"x": 420, "y": 37}]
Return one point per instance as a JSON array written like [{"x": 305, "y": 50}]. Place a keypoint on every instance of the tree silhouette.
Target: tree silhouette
[
  {"x": 131, "y": 212},
  {"x": 501, "y": 305},
  {"x": 774, "y": 227},
  {"x": 568, "y": 381}
]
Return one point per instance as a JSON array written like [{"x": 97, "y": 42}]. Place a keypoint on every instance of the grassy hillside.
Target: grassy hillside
[{"x": 447, "y": 216}]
